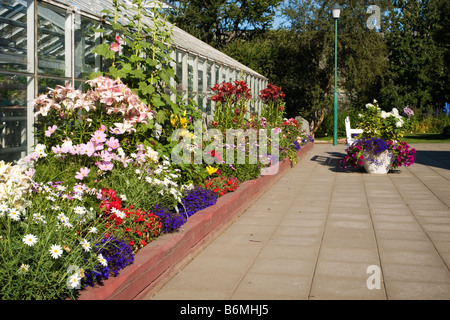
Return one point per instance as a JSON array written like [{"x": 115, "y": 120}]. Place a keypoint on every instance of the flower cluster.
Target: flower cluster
[
  {"x": 273, "y": 109},
  {"x": 403, "y": 154},
  {"x": 374, "y": 145},
  {"x": 354, "y": 156},
  {"x": 15, "y": 184},
  {"x": 197, "y": 199},
  {"x": 115, "y": 254},
  {"x": 222, "y": 185},
  {"x": 226, "y": 91},
  {"x": 378, "y": 123},
  {"x": 231, "y": 104},
  {"x": 271, "y": 93},
  {"x": 137, "y": 226},
  {"x": 109, "y": 97},
  {"x": 171, "y": 220}
]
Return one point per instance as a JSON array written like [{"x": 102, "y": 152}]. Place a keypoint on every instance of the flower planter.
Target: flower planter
[
  {"x": 378, "y": 164},
  {"x": 160, "y": 260}
]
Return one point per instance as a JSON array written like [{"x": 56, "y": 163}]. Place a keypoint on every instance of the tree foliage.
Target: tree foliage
[
  {"x": 218, "y": 22},
  {"x": 404, "y": 60},
  {"x": 417, "y": 42}
]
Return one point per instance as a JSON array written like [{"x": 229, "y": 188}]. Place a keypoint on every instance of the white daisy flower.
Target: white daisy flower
[
  {"x": 93, "y": 230},
  {"x": 39, "y": 218},
  {"x": 3, "y": 207},
  {"x": 123, "y": 197},
  {"x": 102, "y": 260},
  {"x": 55, "y": 251},
  {"x": 29, "y": 240},
  {"x": 14, "y": 214},
  {"x": 67, "y": 224},
  {"x": 120, "y": 214},
  {"x": 24, "y": 268},
  {"x": 79, "y": 210},
  {"x": 86, "y": 245},
  {"x": 74, "y": 281},
  {"x": 62, "y": 217}
]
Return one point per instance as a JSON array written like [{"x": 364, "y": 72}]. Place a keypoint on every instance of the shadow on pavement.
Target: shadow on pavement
[
  {"x": 332, "y": 161},
  {"x": 433, "y": 158}
]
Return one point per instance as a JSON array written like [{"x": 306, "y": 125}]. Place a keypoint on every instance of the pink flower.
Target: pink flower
[
  {"x": 115, "y": 47},
  {"x": 106, "y": 156},
  {"x": 117, "y": 38},
  {"x": 102, "y": 128},
  {"x": 80, "y": 175},
  {"x": 105, "y": 166},
  {"x": 98, "y": 137},
  {"x": 87, "y": 149},
  {"x": 50, "y": 130},
  {"x": 30, "y": 172},
  {"x": 113, "y": 143}
]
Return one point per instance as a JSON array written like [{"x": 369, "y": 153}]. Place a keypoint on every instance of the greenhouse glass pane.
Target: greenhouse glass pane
[
  {"x": 44, "y": 84},
  {"x": 13, "y": 35},
  {"x": 51, "y": 40},
  {"x": 209, "y": 83},
  {"x": 191, "y": 62},
  {"x": 217, "y": 79},
  {"x": 86, "y": 41},
  {"x": 224, "y": 74},
  {"x": 200, "y": 73},
  {"x": 13, "y": 117}
]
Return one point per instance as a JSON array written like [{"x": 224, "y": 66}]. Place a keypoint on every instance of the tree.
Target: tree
[
  {"x": 416, "y": 43},
  {"x": 220, "y": 22},
  {"x": 362, "y": 63}
]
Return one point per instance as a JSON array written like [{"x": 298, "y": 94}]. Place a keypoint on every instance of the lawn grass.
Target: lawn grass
[
  {"x": 409, "y": 138},
  {"x": 425, "y": 138}
]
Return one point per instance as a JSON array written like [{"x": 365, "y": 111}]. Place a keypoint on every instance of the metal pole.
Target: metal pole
[{"x": 335, "y": 109}]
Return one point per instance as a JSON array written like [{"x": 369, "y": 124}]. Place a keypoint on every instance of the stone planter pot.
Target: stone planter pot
[{"x": 378, "y": 164}]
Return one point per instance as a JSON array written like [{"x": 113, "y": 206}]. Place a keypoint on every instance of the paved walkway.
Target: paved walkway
[{"x": 315, "y": 233}]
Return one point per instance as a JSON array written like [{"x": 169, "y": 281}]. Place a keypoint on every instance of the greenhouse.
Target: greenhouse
[{"x": 50, "y": 42}]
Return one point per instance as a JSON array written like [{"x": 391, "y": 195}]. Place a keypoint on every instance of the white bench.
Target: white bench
[{"x": 349, "y": 131}]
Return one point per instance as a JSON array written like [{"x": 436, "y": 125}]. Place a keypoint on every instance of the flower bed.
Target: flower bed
[
  {"x": 120, "y": 166},
  {"x": 157, "y": 262}
]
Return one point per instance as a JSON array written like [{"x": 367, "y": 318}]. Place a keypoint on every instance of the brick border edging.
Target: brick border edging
[{"x": 161, "y": 259}]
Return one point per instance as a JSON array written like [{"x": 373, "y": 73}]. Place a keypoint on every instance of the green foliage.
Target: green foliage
[
  {"x": 144, "y": 62},
  {"x": 221, "y": 22},
  {"x": 389, "y": 126},
  {"x": 416, "y": 54},
  {"x": 29, "y": 272}
]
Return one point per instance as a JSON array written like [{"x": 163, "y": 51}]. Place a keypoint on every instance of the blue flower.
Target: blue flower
[{"x": 118, "y": 254}]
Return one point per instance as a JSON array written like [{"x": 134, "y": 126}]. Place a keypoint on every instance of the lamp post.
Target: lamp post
[{"x": 336, "y": 10}]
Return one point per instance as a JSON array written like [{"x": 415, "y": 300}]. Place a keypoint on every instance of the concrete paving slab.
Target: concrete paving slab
[{"x": 315, "y": 233}]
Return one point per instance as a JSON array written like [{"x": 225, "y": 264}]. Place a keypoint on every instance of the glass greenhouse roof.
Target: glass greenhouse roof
[{"x": 182, "y": 40}]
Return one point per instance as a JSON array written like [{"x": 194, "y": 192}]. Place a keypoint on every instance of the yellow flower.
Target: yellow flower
[
  {"x": 211, "y": 170},
  {"x": 176, "y": 119}
]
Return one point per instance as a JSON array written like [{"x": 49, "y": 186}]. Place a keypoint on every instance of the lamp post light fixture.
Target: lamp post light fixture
[{"x": 336, "y": 10}]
